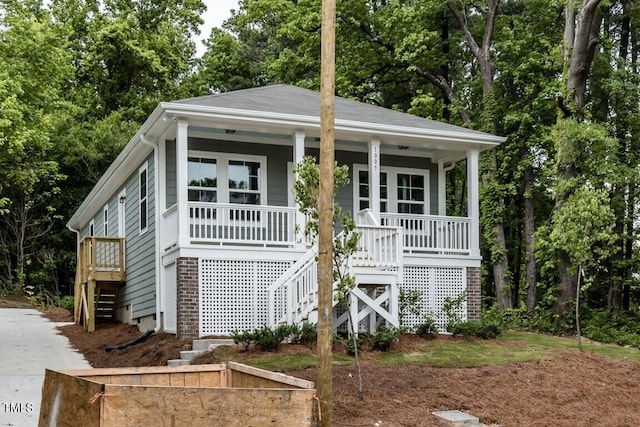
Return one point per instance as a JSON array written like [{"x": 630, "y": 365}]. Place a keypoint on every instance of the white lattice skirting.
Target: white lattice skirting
[
  {"x": 233, "y": 294},
  {"x": 435, "y": 284}
]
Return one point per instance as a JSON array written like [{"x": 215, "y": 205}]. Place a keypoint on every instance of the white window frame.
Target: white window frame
[
  {"x": 222, "y": 168},
  {"x": 143, "y": 200},
  {"x": 392, "y": 186},
  {"x": 105, "y": 220}
]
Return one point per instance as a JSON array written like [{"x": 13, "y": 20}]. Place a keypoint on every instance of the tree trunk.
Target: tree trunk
[
  {"x": 580, "y": 42},
  {"x": 482, "y": 53},
  {"x": 529, "y": 230}
]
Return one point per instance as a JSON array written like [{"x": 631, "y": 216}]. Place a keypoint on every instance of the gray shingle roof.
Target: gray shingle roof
[{"x": 286, "y": 99}]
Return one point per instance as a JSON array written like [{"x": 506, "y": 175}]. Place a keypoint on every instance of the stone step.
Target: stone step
[
  {"x": 210, "y": 344},
  {"x": 458, "y": 418},
  {"x": 189, "y": 355},
  {"x": 178, "y": 362}
]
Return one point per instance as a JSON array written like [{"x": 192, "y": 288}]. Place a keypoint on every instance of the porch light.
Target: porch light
[{"x": 123, "y": 199}]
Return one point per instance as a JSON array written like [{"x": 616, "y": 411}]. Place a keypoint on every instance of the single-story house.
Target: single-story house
[{"x": 194, "y": 228}]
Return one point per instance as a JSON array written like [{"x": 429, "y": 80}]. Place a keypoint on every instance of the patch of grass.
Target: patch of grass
[
  {"x": 511, "y": 347},
  {"x": 292, "y": 362},
  {"x": 463, "y": 354},
  {"x": 543, "y": 342}
]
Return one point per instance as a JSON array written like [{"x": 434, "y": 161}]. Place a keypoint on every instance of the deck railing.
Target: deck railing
[
  {"x": 242, "y": 224},
  {"x": 101, "y": 258},
  {"x": 431, "y": 233}
]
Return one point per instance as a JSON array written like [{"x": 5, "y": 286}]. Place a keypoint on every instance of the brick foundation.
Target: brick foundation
[
  {"x": 187, "y": 303},
  {"x": 473, "y": 293}
]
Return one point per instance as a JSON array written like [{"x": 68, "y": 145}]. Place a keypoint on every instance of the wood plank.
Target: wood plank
[
  {"x": 211, "y": 379},
  {"x": 134, "y": 405},
  {"x": 145, "y": 370},
  {"x": 69, "y": 401},
  {"x": 192, "y": 379},
  {"x": 270, "y": 377},
  {"x": 155, "y": 379},
  {"x": 176, "y": 379}
]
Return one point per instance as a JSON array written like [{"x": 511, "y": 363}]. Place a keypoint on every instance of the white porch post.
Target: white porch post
[
  {"x": 442, "y": 188},
  {"x": 182, "y": 156},
  {"x": 298, "y": 154},
  {"x": 473, "y": 200},
  {"x": 374, "y": 179}
]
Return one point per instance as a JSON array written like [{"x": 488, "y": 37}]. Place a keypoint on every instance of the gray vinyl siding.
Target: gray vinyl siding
[
  {"x": 170, "y": 168},
  {"x": 279, "y": 155},
  {"x": 140, "y": 289},
  {"x": 345, "y": 195},
  {"x": 277, "y": 158}
]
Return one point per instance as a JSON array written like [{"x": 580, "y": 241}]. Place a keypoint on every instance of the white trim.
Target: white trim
[
  {"x": 222, "y": 168},
  {"x": 122, "y": 213},
  {"x": 143, "y": 169},
  {"x": 392, "y": 186},
  {"x": 374, "y": 168},
  {"x": 105, "y": 220},
  {"x": 182, "y": 192},
  {"x": 473, "y": 197},
  {"x": 269, "y": 117}
]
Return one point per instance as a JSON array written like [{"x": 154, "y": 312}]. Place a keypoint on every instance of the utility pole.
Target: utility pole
[{"x": 325, "y": 213}]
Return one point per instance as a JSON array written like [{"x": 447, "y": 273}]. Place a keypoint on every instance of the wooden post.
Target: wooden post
[
  {"x": 325, "y": 211},
  {"x": 90, "y": 326}
]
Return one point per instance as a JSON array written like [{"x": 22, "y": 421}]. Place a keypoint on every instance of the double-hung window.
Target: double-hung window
[
  {"x": 143, "y": 198},
  {"x": 226, "y": 178},
  {"x": 203, "y": 179},
  {"x": 402, "y": 190}
]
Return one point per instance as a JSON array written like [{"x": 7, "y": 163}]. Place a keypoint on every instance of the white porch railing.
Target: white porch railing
[
  {"x": 241, "y": 224},
  {"x": 294, "y": 295},
  {"x": 431, "y": 233}
]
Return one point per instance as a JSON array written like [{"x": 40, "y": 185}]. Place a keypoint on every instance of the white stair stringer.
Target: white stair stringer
[{"x": 376, "y": 265}]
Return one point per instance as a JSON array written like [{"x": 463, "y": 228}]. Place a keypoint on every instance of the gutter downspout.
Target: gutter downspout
[
  {"x": 144, "y": 140},
  {"x": 77, "y": 232}
]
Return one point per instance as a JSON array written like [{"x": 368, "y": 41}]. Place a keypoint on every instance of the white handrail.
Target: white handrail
[
  {"x": 432, "y": 233},
  {"x": 238, "y": 223}
]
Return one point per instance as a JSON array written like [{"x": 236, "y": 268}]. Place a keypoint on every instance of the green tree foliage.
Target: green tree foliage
[{"x": 33, "y": 68}]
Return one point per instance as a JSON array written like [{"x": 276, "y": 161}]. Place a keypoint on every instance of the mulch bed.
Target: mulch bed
[{"x": 571, "y": 389}]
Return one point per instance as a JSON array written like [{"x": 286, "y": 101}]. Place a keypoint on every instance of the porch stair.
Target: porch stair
[
  {"x": 99, "y": 275},
  {"x": 198, "y": 348},
  {"x": 376, "y": 265}
]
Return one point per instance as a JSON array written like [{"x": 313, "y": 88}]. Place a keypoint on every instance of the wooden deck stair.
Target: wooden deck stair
[{"x": 99, "y": 275}]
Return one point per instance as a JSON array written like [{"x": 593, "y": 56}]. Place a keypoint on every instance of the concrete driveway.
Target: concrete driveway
[{"x": 29, "y": 343}]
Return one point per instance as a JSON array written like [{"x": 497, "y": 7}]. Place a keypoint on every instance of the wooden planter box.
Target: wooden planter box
[{"x": 228, "y": 394}]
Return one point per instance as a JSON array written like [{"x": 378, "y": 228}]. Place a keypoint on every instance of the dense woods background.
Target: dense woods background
[{"x": 559, "y": 78}]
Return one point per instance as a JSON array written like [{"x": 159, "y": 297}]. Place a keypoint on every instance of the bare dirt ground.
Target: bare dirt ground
[{"x": 572, "y": 389}]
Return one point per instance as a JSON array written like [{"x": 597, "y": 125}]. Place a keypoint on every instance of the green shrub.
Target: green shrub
[
  {"x": 67, "y": 302},
  {"x": 385, "y": 338},
  {"x": 306, "y": 334},
  {"x": 352, "y": 344},
  {"x": 620, "y": 328},
  {"x": 477, "y": 328},
  {"x": 427, "y": 329},
  {"x": 245, "y": 338}
]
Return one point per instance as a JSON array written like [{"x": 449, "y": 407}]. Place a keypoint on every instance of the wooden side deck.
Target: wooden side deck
[{"x": 100, "y": 272}]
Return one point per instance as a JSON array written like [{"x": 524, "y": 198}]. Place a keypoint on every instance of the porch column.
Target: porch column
[
  {"x": 442, "y": 188},
  {"x": 473, "y": 200},
  {"x": 374, "y": 179},
  {"x": 182, "y": 176},
  {"x": 298, "y": 154}
]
